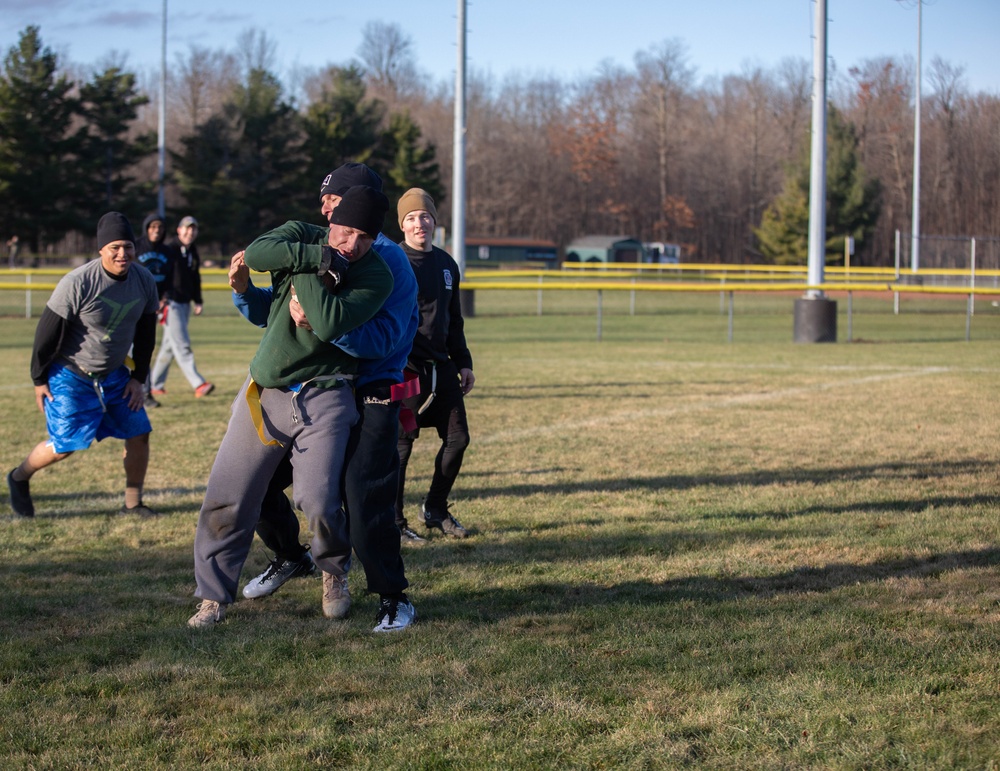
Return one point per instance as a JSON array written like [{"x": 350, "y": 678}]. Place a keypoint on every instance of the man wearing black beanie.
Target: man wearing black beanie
[
  {"x": 96, "y": 313},
  {"x": 297, "y": 402},
  {"x": 113, "y": 226},
  {"x": 363, "y": 208},
  {"x": 369, "y": 477}
]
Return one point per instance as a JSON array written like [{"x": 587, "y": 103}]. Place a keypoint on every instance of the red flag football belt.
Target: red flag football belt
[{"x": 409, "y": 387}]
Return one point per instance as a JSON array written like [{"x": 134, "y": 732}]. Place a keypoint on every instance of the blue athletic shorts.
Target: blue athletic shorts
[{"x": 75, "y": 416}]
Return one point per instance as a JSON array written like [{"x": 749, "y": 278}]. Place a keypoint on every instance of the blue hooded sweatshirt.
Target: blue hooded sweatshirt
[{"x": 383, "y": 343}]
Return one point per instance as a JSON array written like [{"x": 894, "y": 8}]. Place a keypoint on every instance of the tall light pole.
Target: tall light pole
[
  {"x": 458, "y": 170},
  {"x": 915, "y": 235},
  {"x": 162, "y": 125},
  {"x": 817, "y": 176},
  {"x": 815, "y": 314}
]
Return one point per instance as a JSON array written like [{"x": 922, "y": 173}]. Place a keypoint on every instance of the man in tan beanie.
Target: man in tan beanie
[{"x": 440, "y": 357}]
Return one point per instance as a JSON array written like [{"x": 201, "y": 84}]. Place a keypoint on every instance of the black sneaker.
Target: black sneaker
[
  {"x": 150, "y": 403},
  {"x": 276, "y": 574},
  {"x": 20, "y": 496},
  {"x": 394, "y": 615},
  {"x": 443, "y": 521}
]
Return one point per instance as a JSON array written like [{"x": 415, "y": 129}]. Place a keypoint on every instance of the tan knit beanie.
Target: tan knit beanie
[{"x": 416, "y": 199}]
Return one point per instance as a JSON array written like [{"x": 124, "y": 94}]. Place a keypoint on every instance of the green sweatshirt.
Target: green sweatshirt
[{"x": 289, "y": 354}]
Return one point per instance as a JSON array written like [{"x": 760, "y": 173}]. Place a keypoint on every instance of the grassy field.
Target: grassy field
[{"x": 686, "y": 553}]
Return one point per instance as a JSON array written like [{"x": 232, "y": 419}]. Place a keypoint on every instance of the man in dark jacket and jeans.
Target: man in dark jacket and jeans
[{"x": 182, "y": 294}]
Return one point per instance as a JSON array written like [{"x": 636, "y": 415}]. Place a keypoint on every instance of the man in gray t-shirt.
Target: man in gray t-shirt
[
  {"x": 96, "y": 313},
  {"x": 101, "y": 314}
]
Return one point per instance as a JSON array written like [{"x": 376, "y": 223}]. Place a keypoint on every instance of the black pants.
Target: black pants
[
  {"x": 370, "y": 474},
  {"x": 447, "y": 414}
]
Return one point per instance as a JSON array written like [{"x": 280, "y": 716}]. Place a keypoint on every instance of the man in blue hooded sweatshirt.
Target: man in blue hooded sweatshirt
[{"x": 152, "y": 253}]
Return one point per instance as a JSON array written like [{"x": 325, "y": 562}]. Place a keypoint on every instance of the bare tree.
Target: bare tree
[
  {"x": 793, "y": 102},
  {"x": 255, "y": 51},
  {"x": 513, "y": 168},
  {"x": 387, "y": 55},
  {"x": 198, "y": 86},
  {"x": 664, "y": 81},
  {"x": 878, "y": 104},
  {"x": 945, "y": 188}
]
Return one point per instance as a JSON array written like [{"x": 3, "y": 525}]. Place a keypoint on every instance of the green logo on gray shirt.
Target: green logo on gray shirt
[{"x": 119, "y": 312}]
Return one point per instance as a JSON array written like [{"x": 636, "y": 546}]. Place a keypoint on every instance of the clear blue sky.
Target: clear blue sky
[{"x": 565, "y": 38}]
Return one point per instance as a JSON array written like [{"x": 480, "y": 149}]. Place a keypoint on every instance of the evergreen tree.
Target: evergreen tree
[
  {"x": 37, "y": 150},
  {"x": 852, "y": 202},
  {"x": 340, "y": 126},
  {"x": 203, "y": 172},
  {"x": 241, "y": 171},
  {"x": 784, "y": 228},
  {"x": 109, "y": 104},
  {"x": 267, "y": 158},
  {"x": 408, "y": 164}
]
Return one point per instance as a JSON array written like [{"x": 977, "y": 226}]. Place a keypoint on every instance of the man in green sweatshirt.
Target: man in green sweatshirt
[{"x": 297, "y": 400}]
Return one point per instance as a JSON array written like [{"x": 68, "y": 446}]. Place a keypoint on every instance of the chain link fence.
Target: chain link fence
[{"x": 976, "y": 256}]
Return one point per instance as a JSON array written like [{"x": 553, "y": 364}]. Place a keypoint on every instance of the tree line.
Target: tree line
[
  {"x": 243, "y": 157},
  {"x": 719, "y": 165}
]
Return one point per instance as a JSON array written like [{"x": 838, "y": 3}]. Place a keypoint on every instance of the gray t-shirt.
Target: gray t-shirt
[{"x": 101, "y": 314}]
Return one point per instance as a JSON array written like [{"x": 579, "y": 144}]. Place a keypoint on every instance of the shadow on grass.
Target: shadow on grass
[
  {"x": 40, "y": 601},
  {"x": 582, "y": 390},
  {"x": 917, "y": 470},
  {"x": 99, "y": 503},
  {"x": 887, "y": 471},
  {"x": 494, "y": 604},
  {"x": 873, "y": 507},
  {"x": 159, "y": 579}
]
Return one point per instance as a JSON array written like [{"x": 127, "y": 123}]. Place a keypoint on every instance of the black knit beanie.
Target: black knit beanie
[
  {"x": 338, "y": 181},
  {"x": 363, "y": 208},
  {"x": 113, "y": 226}
]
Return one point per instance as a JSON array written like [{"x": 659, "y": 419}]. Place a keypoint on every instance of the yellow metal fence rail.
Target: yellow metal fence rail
[{"x": 621, "y": 277}]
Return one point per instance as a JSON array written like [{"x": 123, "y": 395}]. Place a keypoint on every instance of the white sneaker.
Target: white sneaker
[
  {"x": 394, "y": 615},
  {"x": 209, "y": 614},
  {"x": 276, "y": 574},
  {"x": 336, "y": 597}
]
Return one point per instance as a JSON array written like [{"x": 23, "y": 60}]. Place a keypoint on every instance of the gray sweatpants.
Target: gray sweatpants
[
  {"x": 313, "y": 427},
  {"x": 176, "y": 344}
]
